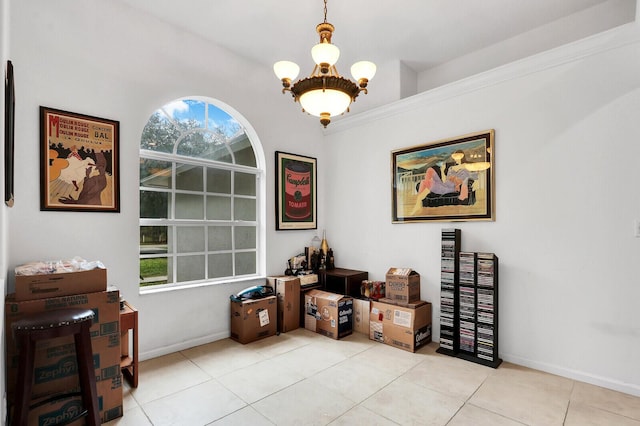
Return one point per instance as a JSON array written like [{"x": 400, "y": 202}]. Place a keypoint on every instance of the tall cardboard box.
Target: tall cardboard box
[
  {"x": 252, "y": 320},
  {"x": 402, "y": 285},
  {"x": 361, "y": 309},
  {"x": 287, "y": 289},
  {"x": 407, "y": 328},
  {"x": 55, "y": 359},
  {"x": 328, "y": 314}
]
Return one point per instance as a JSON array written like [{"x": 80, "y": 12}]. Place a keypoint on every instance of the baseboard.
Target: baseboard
[
  {"x": 166, "y": 350},
  {"x": 628, "y": 388}
]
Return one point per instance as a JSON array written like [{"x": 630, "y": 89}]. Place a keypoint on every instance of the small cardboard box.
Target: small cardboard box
[
  {"x": 328, "y": 314},
  {"x": 287, "y": 290},
  {"x": 253, "y": 319},
  {"x": 55, "y": 359},
  {"x": 402, "y": 285},
  {"x": 361, "y": 309},
  {"x": 44, "y": 286},
  {"x": 52, "y": 413},
  {"x": 400, "y": 326}
]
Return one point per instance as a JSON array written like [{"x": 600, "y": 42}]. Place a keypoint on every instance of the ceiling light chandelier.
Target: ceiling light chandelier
[{"x": 325, "y": 93}]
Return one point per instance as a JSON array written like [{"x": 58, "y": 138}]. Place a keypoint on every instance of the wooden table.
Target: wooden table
[{"x": 129, "y": 360}]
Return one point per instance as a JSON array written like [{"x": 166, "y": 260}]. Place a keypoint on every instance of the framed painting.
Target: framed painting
[
  {"x": 446, "y": 180},
  {"x": 296, "y": 200},
  {"x": 9, "y": 127},
  {"x": 79, "y": 167}
]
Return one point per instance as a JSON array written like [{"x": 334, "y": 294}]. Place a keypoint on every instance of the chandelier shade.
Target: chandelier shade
[
  {"x": 286, "y": 70},
  {"x": 325, "y": 93}
]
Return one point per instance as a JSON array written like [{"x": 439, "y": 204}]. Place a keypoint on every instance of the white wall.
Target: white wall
[
  {"x": 104, "y": 59},
  {"x": 566, "y": 152}
]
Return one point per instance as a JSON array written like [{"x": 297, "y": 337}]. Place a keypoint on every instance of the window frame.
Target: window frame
[{"x": 260, "y": 204}]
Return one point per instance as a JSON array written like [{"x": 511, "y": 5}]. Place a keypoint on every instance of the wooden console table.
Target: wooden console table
[{"x": 129, "y": 360}]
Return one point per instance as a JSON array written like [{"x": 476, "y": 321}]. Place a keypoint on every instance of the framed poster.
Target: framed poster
[
  {"x": 446, "y": 180},
  {"x": 79, "y": 167},
  {"x": 9, "y": 126},
  {"x": 296, "y": 201}
]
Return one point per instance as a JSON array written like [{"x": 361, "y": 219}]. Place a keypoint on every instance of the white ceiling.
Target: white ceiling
[{"x": 423, "y": 34}]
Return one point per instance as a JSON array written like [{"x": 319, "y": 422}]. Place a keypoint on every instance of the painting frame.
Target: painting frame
[
  {"x": 449, "y": 180},
  {"x": 79, "y": 162},
  {"x": 9, "y": 135},
  {"x": 296, "y": 192}
]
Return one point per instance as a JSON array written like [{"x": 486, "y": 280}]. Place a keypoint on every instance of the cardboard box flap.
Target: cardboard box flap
[{"x": 401, "y": 272}]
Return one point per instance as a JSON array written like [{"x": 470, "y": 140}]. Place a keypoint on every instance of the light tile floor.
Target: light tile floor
[{"x": 303, "y": 378}]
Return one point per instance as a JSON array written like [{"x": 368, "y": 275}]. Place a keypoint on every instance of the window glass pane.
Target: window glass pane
[
  {"x": 155, "y": 271},
  {"x": 189, "y": 206},
  {"x": 219, "y": 181},
  {"x": 220, "y": 265},
  {"x": 246, "y": 263},
  {"x": 159, "y": 134},
  {"x": 188, "y": 114},
  {"x": 190, "y": 268},
  {"x": 243, "y": 151},
  {"x": 154, "y": 205},
  {"x": 155, "y": 174},
  {"x": 154, "y": 240},
  {"x": 193, "y": 113},
  {"x": 220, "y": 238},
  {"x": 244, "y": 209},
  {"x": 189, "y": 177},
  {"x": 245, "y": 183},
  {"x": 218, "y": 208},
  {"x": 220, "y": 153},
  {"x": 189, "y": 238},
  {"x": 194, "y": 145},
  {"x": 245, "y": 237}
]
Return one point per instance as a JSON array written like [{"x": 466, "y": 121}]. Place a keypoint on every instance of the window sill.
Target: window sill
[{"x": 252, "y": 280}]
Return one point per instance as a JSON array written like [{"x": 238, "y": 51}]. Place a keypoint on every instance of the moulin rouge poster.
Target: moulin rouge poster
[{"x": 79, "y": 155}]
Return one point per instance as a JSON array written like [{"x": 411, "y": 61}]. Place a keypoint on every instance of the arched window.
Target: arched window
[{"x": 200, "y": 197}]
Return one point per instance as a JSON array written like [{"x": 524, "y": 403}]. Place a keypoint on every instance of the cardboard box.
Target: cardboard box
[
  {"x": 328, "y": 314},
  {"x": 361, "y": 310},
  {"x": 287, "y": 290},
  {"x": 412, "y": 305},
  {"x": 56, "y": 366},
  {"x": 44, "y": 286},
  {"x": 52, "y": 413},
  {"x": 105, "y": 306},
  {"x": 402, "y": 285},
  {"x": 55, "y": 359},
  {"x": 400, "y": 326},
  {"x": 253, "y": 319}
]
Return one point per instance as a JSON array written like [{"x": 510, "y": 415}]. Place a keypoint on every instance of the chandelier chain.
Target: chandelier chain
[{"x": 325, "y": 11}]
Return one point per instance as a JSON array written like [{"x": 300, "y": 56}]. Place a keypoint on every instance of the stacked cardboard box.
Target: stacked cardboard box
[
  {"x": 287, "y": 289},
  {"x": 404, "y": 327},
  {"x": 44, "y": 286},
  {"x": 401, "y": 319},
  {"x": 328, "y": 313},
  {"x": 402, "y": 286},
  {"x": 252, "y": 320},
  {"x": 55, "y": 359}
]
